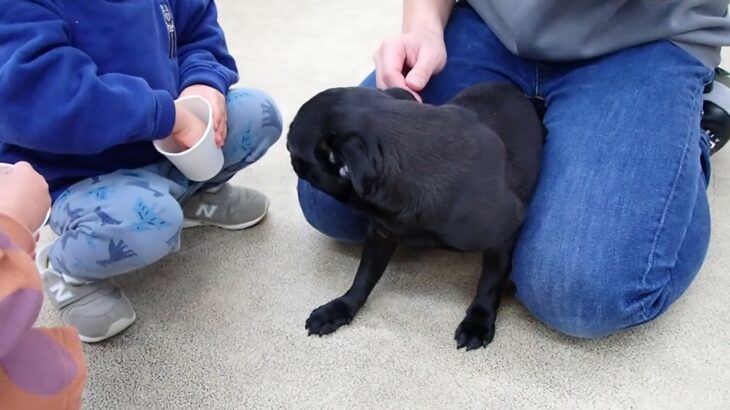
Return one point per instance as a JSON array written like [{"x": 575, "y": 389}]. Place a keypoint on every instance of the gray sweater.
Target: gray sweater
[{"x": 559, "y": 30}]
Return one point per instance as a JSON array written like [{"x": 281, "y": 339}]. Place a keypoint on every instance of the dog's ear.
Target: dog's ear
[
  {"x": 359, "y": 164},
  {"x": 400, "y": 94}
]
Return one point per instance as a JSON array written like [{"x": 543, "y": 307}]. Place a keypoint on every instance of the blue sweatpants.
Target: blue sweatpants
[{"x": 116, "y": 223}]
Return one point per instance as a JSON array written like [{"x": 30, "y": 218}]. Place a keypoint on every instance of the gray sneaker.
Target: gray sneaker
[
  {"x": 97, "y": 310},
  {"x": 228, "y": 207}
]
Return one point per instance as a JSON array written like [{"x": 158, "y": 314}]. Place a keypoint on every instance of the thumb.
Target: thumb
[{"x": 421, "y": 72}]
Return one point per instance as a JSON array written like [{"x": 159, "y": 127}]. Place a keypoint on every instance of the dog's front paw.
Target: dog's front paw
[
  {"x": 327, "y": 318},
  {"x": 476, "y": 330}
]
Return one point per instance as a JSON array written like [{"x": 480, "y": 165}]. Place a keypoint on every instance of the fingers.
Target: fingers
[
  {"x": 26, "y": 171},
  {"x": 224, "y": 129},
  {"x": 396, "y": 56},
  {"x": 24, "y": 195},
  {"x": 21, "y": 166},
  {"x": 217, "y": 100},
  {"x": 217, "y": 130},
  {"x": 415, "y": 95},
  {"x": 389, "y": 64},
  {"x": 219, "y": 139},
  {"x": 220, "y": 124},
  {"x": 422, "y": 70}
]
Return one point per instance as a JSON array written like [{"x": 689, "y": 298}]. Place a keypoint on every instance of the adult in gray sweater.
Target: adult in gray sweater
[{"x": 619, "y": 225}]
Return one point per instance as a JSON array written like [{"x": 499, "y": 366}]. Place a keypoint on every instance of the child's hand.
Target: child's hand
[
  {"x": 188, "y": 127},
  {"x": 218, "y": 102},
  {"x": 24, "y": 195}
]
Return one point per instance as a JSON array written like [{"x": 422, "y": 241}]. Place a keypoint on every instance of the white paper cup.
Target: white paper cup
[
  {"x": 6, "y": 168},
  {"x": 202, "y": 161}
]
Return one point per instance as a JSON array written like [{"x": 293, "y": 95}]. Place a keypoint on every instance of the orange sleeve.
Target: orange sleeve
[{"x": 39, "y": 368}]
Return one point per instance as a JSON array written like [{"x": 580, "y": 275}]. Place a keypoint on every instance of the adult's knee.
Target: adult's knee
[
  {"x": 581, "y": 295},
  {"x": 330, "y": 216}
]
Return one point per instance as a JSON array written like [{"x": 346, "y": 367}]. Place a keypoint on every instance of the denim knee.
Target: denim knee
[
  {"x": 329, "y": 216},
  {"x": 582, "y": 297}
]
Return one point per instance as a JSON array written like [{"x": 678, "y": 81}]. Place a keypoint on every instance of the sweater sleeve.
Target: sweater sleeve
[
  {"x": 52, "y": 97},
  {"x": 56, "y": 354},
  {"x": 16, "y": 234},
  {"x": 203, "y": 54},
  {"x": 16, "y": 272}
]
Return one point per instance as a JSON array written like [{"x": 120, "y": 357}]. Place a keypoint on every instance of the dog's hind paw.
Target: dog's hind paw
[
  {"x": 329, "y": 317},
  {"x": 474, "y": 331}
]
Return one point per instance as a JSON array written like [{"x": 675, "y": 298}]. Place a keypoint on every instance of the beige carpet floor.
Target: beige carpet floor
[{"x": 221, "y": 323}]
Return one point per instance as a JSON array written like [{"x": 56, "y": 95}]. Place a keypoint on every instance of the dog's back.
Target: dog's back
[{"x": 507, "y": 111}]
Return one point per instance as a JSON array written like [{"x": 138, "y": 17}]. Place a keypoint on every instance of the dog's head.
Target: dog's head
[{"x": 331, "y": 143}]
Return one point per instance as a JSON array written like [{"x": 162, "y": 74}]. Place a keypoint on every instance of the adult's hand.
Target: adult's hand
[
  {"x": 24, "y": 195},
  {"x": 410, "y": 59}
]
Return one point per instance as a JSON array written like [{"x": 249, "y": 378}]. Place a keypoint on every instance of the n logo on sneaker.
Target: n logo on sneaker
[
  {"x": 60, "y": 293},
  {"x": 207, "y": 210}
]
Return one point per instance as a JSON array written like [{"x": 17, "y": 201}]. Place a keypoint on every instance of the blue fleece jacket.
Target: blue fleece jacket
[{"x": 86, "y": 86}]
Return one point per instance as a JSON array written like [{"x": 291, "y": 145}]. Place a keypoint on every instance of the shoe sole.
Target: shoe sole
[
  {"x": 192, "y": 223},
  {"x": 116, "y": 328}
]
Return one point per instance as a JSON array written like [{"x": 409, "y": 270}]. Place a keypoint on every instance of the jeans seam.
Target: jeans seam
[{"x": 662, "y": 219}]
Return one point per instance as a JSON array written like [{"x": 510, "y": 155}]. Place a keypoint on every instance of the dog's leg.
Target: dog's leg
[
  {"x": 477, "y": 328},
  {"x": 376, "y": 254}
]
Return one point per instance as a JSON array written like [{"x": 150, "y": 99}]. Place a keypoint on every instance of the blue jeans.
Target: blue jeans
[
  {"x": 619, "y": 224},
  {"x": 116, "y": 223}
]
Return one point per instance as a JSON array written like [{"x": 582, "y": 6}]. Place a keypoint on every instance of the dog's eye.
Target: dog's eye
[
  {"x": 345, "y": 172},
  {"x": 332, "y": 158}
]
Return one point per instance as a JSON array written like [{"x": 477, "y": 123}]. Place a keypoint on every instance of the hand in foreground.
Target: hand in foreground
[{"x": 24, "y": 195}]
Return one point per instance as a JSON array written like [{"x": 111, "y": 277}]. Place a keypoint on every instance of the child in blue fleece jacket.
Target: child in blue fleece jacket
[{"x": 85, "y": 88}]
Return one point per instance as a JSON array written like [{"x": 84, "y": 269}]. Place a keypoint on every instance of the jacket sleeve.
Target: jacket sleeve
[
  {"x": 52, "y": 97},
  {"x": 202, "y": 52},
  {"x": 61, "y": 363}
]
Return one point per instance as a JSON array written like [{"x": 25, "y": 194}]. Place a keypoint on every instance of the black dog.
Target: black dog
[{"x": 457, "y": 176}]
